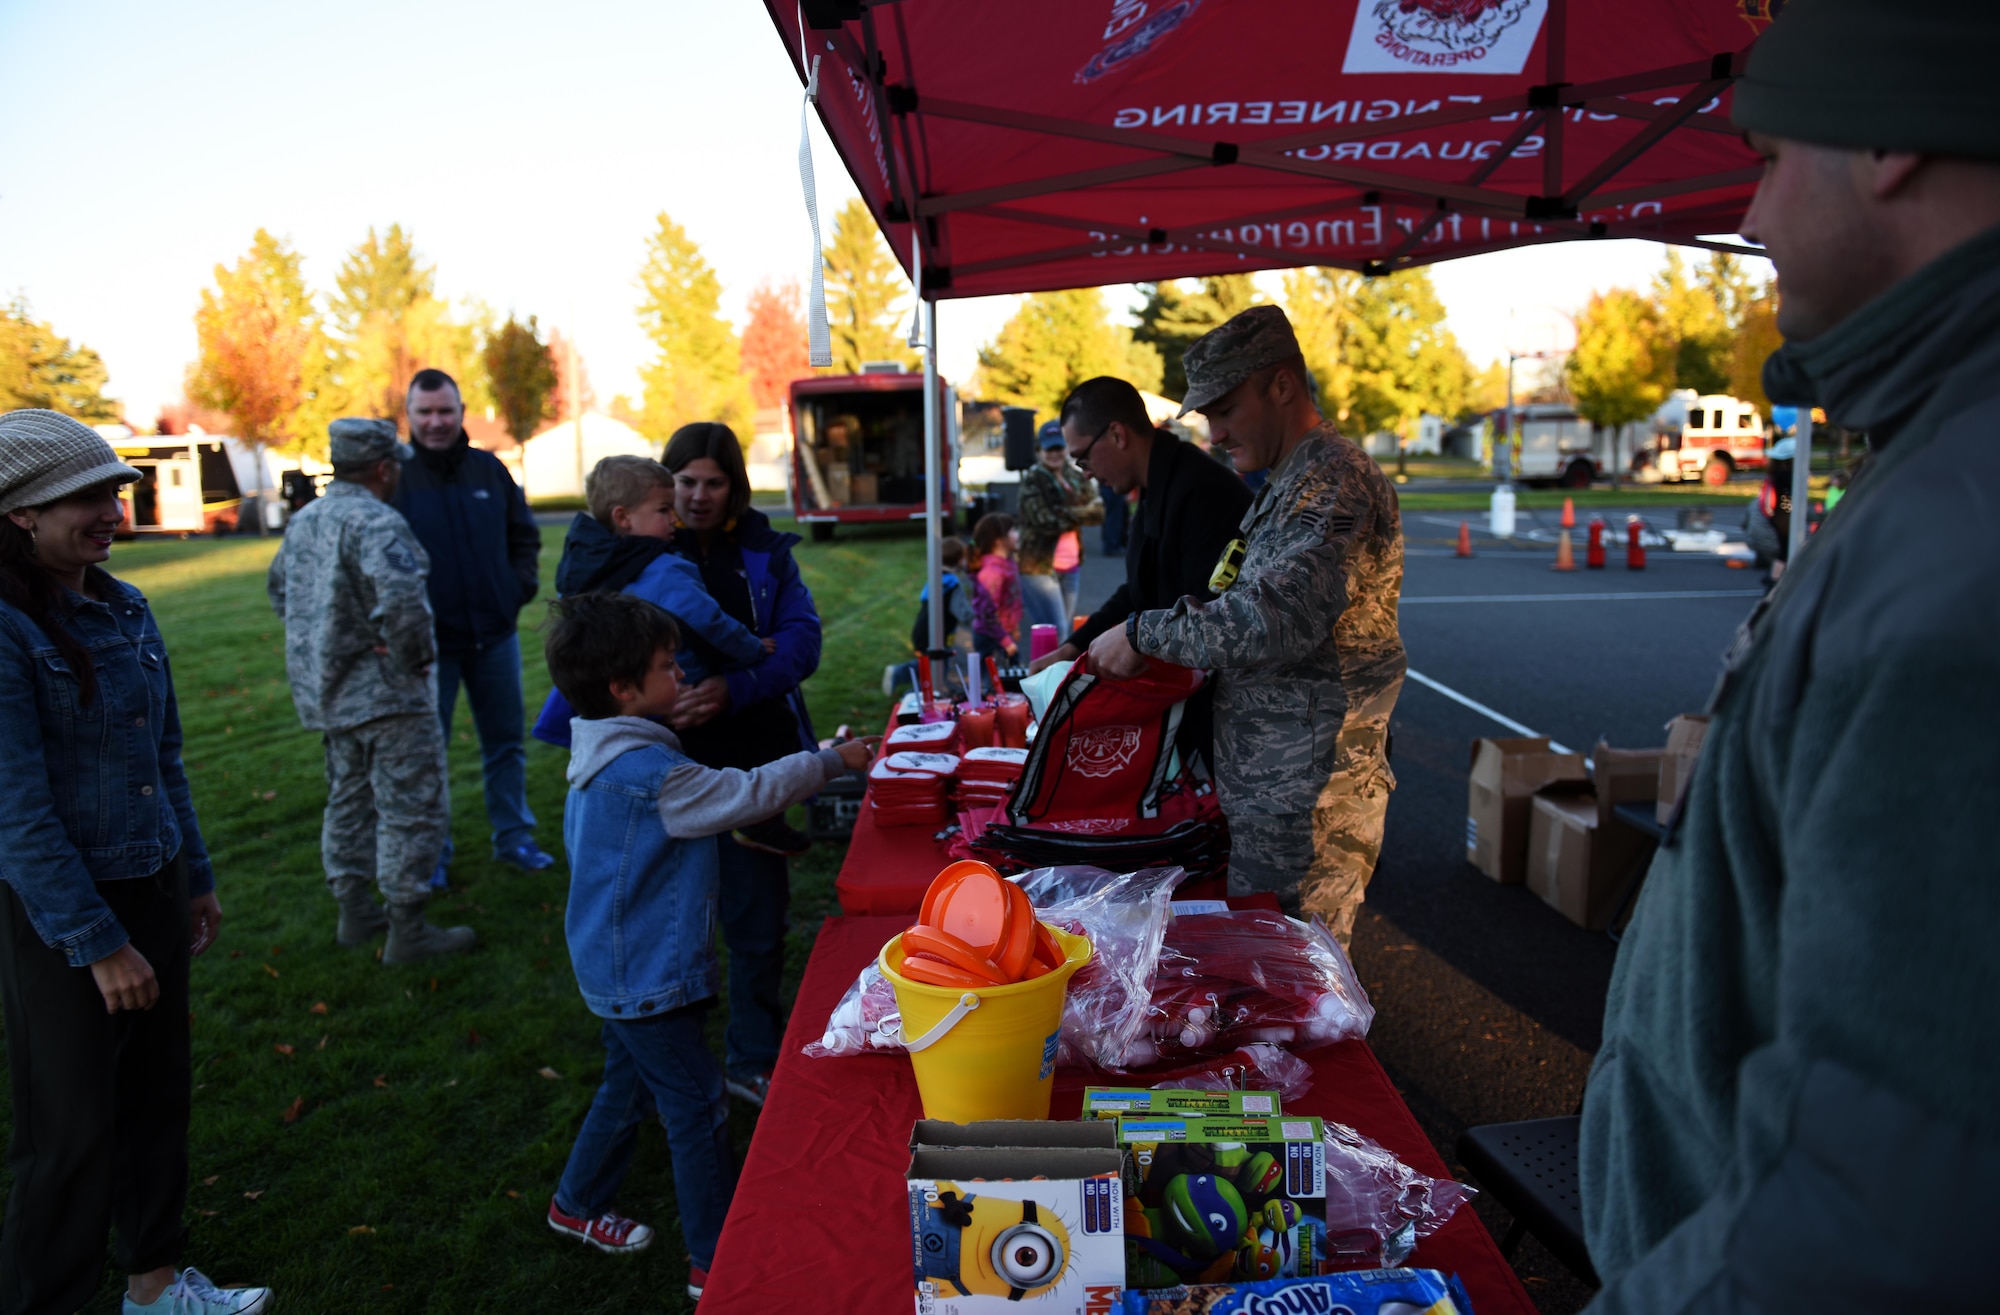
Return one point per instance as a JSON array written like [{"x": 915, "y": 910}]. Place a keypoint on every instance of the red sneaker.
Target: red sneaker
[
  {"x": 697, "y": 1280},
  {"x": 610, "y": 1231}
]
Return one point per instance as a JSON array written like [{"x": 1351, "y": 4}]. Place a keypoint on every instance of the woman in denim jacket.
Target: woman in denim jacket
[{"x": 108, "y": 893}]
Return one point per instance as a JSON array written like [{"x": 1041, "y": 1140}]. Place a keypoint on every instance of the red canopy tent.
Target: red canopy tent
[{"x": 1071, "y": 143}]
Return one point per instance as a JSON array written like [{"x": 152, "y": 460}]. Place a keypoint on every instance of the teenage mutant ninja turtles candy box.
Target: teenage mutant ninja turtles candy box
[
  {"x": 1134, "y": 1102},
  {"x": 1210, "y": 1199},
  {"x": 1007, "y": 1212}
]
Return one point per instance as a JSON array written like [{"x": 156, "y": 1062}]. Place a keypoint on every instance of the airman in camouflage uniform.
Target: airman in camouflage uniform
[
  {"x": 1304, "y": 643},
  {"x": 349, "y": 583}
]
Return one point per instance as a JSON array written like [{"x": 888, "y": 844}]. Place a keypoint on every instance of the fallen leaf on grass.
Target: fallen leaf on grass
[
  {"x": 251, "y": 1196},
  {"x": 236, "y": 954},
  {"x": 208, "y": 1214},
  {"x": 382, "y": 1079},
  {"x": 548, "y": 1072},
  {"x": 360, "y": 1230},
  {"x": 434, "y": 983},
  {"x": 284, "y": 1049},
  {"x": 322, "y": 1041},
  {"x": 277, "y": 949},
  {"x": 513, "y": 1195},
  {"x": 472, "y": 1037},
  {"x": 270, "y": 794},
  {"x": 296, "y": 1108},
  {"x": 319, "y": 1008},
  {"x": 211, "y": 1180},
  {"x": 269, "y": 969}
]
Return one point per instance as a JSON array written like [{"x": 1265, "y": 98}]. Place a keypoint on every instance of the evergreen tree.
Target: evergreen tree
[
  {"x": 262, "y": 355},
  {"x": 774, "y": 342},
  {"x": 1173, "y": 317},
  {"x": 698, "y": 373},
  {"x": 521, "y": 372},
  {"x": 389, "y": 323},
  {"x": 1625, "y": 359},
  {"x": 40, "y": 368},
  {"x": 865, "y": 294},
  {"x": 1054, "y": 342}
]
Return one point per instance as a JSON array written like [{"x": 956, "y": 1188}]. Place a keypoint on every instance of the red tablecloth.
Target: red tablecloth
[
  {"x": 821, "y": 1221},
  {"x": 887, "y": 868}
]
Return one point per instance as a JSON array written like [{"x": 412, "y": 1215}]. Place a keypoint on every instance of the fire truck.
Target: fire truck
[
  {"x": 1708, "y": 438},
  {"x": 858, "y": 449}
]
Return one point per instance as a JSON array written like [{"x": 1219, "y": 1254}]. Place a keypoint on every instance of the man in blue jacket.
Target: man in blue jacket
[{"x": 473, "y": 520}]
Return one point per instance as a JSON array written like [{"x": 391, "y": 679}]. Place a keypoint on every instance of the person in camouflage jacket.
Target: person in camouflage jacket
[
  {"x": 1303, "y": 638},
  {"x": 359, "y": 646}
]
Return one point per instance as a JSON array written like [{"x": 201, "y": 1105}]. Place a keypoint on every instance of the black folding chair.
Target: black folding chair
[{"x": 1530, "y": 1168}]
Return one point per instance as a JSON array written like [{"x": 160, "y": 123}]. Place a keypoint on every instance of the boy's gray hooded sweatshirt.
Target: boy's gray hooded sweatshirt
[
  {"x": 1797, "y": 1103},
  {"x": 696, "y": 800}
]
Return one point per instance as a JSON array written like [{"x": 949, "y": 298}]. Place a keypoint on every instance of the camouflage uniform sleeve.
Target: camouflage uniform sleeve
[
  {"x": 395, "y": 564},
  {"x": 1285, "y": 612}
]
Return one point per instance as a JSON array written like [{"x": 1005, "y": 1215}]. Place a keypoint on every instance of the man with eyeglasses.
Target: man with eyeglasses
[
  {"x": 1189, "y": 508},
  {"x": 1302, "y": 633}
]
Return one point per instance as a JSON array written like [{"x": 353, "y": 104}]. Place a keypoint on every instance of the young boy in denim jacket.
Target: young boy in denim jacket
[{"x": 640, "y": 825}]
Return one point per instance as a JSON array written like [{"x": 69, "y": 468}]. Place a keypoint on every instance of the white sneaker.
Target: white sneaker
[
  {"x": 191, "y": 1293},
  {"x": 889, "y": 679}
]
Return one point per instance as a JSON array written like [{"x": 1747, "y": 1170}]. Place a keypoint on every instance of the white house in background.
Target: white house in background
[{"x": 556, "y": 460}]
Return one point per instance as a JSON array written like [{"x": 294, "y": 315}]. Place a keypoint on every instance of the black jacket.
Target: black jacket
[
  {"x": 1191, "y": 509},
  {"x": 473, "y": 520}
]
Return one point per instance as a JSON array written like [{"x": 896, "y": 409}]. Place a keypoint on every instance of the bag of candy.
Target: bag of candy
[
  {"x": 1377, "y": 1207},
  {"x": 1360, "y": 1292}
]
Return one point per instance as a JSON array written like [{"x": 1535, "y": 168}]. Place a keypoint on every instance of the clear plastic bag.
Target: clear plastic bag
[
  {"x": 1124, "y": 916},
  {"x": 1377, "y": 1207},
  {"x": 1237, "y": 977},
  {"x": 1256, "y": 1067}
]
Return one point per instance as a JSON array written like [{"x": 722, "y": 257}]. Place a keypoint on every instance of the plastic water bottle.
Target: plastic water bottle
[{"x": 1500, "y": 516}]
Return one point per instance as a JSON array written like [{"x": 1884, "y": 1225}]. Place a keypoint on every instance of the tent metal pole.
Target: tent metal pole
[
  {"x": 1801, "y": 487},
  {"x": 933, "y": 510}
]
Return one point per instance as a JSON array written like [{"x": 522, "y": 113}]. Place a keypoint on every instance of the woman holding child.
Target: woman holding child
[{"x": 746, "y": 718}]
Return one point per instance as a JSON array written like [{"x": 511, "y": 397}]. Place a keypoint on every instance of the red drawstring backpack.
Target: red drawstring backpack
[{"x": 1102, "y": 753}]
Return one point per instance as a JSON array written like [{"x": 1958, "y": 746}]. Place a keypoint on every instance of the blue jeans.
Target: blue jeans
[
  {"x": 1042, "y": 605},
  {"x": 657, "y": 1065},
  {"x": 492, "y": 680},
  {"x": 1069, "y": 582},
  {"x": 1116, "y": 513},
  {"x": 756, "y": 896}
]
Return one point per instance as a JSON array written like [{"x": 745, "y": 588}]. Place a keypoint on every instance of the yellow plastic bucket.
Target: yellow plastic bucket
[{"x": 986, "y": 1052}]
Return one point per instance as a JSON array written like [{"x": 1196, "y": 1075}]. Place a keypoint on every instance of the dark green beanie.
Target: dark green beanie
[{"x": 1891, "y": 75}]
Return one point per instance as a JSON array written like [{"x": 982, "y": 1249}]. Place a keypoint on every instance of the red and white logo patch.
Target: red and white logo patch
[
  {"x": 1443, "y": 36},
  {"x": 1103, "y": 750}
]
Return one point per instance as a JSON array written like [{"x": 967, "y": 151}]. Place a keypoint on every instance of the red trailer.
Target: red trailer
[{"x": 858, "y": 450}]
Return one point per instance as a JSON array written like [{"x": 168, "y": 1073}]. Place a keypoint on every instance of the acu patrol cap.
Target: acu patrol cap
[
  {"x": 355, "y": 441},
  {"x": 1230, "y": 353}
]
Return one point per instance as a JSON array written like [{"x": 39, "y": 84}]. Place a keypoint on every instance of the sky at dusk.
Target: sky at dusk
[{"x": 528, "y": 149}]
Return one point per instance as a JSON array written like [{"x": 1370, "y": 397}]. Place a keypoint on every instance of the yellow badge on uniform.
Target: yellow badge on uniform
[{"x": 1227, "y": 565}]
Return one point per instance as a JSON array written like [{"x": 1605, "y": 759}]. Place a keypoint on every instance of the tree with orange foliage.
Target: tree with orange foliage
[
  {"x": 262, "y": 355},
  {"x": 774, "y": 342}
]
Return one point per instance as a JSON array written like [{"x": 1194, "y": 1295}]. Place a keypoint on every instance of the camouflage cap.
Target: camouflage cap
[
  {"x": 355, "y": 441},
  {"x": 1230, "y": 353}
]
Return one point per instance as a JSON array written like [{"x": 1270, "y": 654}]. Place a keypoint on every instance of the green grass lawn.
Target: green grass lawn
[{"x": 387, "y": 1139}]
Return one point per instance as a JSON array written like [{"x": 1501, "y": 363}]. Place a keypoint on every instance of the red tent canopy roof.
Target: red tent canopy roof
[{"x": 1070, "y": 143}]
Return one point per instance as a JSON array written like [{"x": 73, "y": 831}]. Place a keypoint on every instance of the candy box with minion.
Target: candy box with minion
[
  {"x": 1212, "y": 1199},
  {"x": 1109, "y": 1102},
  {"x": 1007, "y": 1212}
]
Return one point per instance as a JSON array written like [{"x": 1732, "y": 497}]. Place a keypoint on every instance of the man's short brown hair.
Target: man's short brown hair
[{"x": 622, "y": 482}]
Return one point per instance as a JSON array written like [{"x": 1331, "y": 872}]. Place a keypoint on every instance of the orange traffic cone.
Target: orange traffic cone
[
  {"x": 1569, "y": 514},
  {"x": 1464, "y": 539},
  {"x": 1565, "y": 554}
]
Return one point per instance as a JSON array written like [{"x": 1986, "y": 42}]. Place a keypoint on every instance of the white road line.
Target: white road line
[
  {"x": 1481, "y": 708},
  {"x": 1581, "y": 598}
]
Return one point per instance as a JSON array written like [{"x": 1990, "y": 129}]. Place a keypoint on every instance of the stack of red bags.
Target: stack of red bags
[
  {"x": 911, "y": 788},
  {"x": 986, "y": 777}
]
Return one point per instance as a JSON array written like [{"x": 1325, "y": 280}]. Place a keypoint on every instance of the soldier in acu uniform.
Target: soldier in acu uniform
[
  {"x": 349, "y": 583},
  {"x": 1303, "y": 639}
]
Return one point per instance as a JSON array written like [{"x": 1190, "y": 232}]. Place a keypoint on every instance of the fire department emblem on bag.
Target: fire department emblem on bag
[
  {"x": 1102, "y": 750},
  {"x": 1443, "y": 36}
]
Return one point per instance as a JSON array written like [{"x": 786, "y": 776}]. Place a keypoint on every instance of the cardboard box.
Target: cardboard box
[
  {"x": 1623, "y": 776},
  {"x": 1014, "y": 1211},
  {"x": 1505, "y": 775},
  {"x": 1579, "y": 860},
  {"x": 866, "y": 488},
  {"x": 1684, "y": 736},
  {"x": 1106, "y": 1102}
]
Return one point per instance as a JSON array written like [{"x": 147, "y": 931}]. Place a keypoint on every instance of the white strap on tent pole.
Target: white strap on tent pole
[
  {"x": 916, "y": 338},
  {"x": 1801, "y": 487},
  {"x": 819, "y": 340}
]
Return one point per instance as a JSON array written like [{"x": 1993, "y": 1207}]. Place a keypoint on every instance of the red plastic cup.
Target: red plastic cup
[
  {"x": 1010, "y": 716},
  {"x": 977, "y": 726},
  {"x": 937, "y": 710}
]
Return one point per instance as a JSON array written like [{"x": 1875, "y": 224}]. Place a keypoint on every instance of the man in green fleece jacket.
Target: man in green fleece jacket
[{"x": 1797, "y": 1102}]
